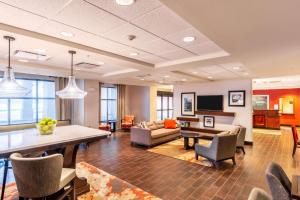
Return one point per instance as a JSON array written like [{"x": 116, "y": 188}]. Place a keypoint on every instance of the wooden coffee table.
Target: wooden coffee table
[{"x": 187, "y": 136}]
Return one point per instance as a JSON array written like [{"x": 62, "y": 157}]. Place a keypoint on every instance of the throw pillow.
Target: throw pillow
[
  {"x": 170, "y": 124},
  {"x": 159, "y": 124}
]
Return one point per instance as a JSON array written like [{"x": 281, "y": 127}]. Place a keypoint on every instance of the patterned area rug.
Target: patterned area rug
[
  {"x": 104, "y": 186},
  {"x": 176, "y": 150}
]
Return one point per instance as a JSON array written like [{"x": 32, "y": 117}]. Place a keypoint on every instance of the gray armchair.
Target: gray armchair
[
  {"x": 241, "y": 138},
  {"x": 259, "y": 194},
  {"x": 222, "y": 147},
  {"x": 42, "y": 177},
  {"x": 278, "y": 182}
]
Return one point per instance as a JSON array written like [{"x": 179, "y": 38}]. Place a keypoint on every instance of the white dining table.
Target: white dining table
[{"x": 65, "y": 138}]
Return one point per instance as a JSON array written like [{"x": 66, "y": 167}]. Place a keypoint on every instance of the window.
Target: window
[
  {"x": 39, "y": 103},
  {"x": 164, "y": 105},
  {"x": 108, "y": 104}
]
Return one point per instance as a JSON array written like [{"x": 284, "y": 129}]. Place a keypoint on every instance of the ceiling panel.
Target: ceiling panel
[
  {"x": 139, "y": 8},
  {"x": 121, "y": 34},
  {"x": 214, "y": 69},
  {"x": 84, "y": 16},
  {"x": 161, "y": 21},
  {"x": 204, "y": 48},
  {"x": 177, "y": 37},
  {"x": 152, "y": 59},
  {"x": 178, "y": 54},
  {"x": 159, "y": 46},
  {"x": 15, "y": 17},
  {"x": 41, "y": 7}
]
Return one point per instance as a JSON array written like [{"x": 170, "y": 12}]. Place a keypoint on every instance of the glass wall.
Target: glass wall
[
  {"x": 108, "y": 104},
  {"x": 39, "y": 103},
  {"x": 164, "y": 105}
]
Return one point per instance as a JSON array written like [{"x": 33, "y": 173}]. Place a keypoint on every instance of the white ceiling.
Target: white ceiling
[
  {"x": 261, "y": 38},
  {"x": 283, "y": 82}
]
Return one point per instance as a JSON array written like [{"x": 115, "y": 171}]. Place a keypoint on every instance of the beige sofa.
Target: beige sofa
[{"x": 154, "y": 134}]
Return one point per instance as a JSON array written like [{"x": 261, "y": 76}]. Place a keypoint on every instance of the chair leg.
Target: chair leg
[
  {"x": 233, "y": 160},
  {"x": 243, "y": 149},
  {"x": 196, "y": 156},
  {"x": 294, "y": 150},
  {"x": 4, "y": 178},
  {"x": 73, "y": 194}
]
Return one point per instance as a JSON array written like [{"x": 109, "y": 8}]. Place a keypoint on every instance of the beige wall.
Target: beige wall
[
  {"x": 141, "y": 102},
  {"x": 91, "y": 103}
]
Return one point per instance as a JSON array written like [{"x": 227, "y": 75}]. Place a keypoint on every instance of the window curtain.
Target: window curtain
[
  {"x": 63, "y": 106},
  {"x": 120, "y": 104}
]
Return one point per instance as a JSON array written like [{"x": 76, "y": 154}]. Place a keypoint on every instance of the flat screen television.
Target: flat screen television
[{"x": 211, "y": 102}]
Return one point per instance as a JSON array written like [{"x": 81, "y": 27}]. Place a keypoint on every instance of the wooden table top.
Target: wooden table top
[{"x": 29, "y": 139}]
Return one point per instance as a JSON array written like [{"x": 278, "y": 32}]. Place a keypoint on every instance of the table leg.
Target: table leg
[
  {"x": 196, "y": 140},
  {"x": 81, "y": 185},
  {"x": 4, "y": 177},
  {"x": 186, "y": 143}
]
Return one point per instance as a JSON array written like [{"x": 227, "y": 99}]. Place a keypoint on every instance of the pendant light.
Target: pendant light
[
  {"x": 71, "y": 91},
  {"x": 9, "y": 87}
]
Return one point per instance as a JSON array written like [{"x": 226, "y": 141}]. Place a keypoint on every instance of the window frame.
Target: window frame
[
  {"x": 162, "y": 94},
  {"x": 36, "y": 98},
  {"x": 107, "y": 100}
]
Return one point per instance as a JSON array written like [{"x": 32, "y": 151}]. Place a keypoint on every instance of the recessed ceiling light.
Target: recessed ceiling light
[
  {"x": 236, "y": 68},
  {"x": 246, "y": 74},
  {"x": 125, "y": 2},
  {"x": 67, "y": 34},
  {"x": 209, "y": 77},
  {"x": 134, "y": 54},
  {"x": 77, "y": 69},
  {"x": 100, "y": 63},
  {"x": 23, "y": 60},
  {"x": 142, "y": 79},
  {"x": 166, "y": 76},
  {"x": 160, "y": 81},
  {"x": 189, "y": 39},
  {"x": 40, "y": 50},
  {"x": 195, "y": 72},
  {"x": 183, "y": 79}
]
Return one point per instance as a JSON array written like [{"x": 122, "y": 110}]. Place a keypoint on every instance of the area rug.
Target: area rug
[
  {"x": 103, "y": 185},
  {"x": 176, "y": 150}
]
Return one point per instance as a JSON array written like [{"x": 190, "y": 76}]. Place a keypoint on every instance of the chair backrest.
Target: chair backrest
[
  {"x": 241, "y": 137},
  {"x": 278, "y": 182},
  {"x": 37, "y": 177},
  {"x": 224, "y": 145},
  {"x": 129, "y": 118},
  {"x": 259, "y": 194}
]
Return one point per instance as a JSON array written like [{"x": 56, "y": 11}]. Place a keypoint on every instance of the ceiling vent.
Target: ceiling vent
[
  {"x": 86, "y": 65},
  {"x": 144, "y": 75},
  {"x": 30, "y": 55}
]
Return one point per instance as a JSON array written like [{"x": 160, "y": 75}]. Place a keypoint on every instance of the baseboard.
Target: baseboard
[{"x": 248, "y": 143}]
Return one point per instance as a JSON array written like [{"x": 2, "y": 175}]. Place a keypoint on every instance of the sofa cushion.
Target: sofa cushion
[
  {"x": 159, "y": 124},
  {"x": 170, "y": 124},
  {"x": 163, "y": 132}
]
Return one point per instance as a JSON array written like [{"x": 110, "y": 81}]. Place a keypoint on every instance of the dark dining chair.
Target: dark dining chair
[
  {"x": 43, "y": 177},
  {"x": 295, "y": 138}
]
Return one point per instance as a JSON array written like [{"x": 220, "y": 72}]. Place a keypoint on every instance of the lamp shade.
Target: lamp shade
[
  {"x": 71, "y": 91},
  {"x": 9, "y": 87}
]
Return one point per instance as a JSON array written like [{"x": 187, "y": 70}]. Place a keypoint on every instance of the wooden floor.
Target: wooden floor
[{"x": 170, "y": 178}]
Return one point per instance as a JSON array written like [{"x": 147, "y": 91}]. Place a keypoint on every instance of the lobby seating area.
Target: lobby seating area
[{"x": 149, "y": 100}]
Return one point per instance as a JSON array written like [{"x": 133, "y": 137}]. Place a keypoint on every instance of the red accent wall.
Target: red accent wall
[{"x": 274, "y": 96}]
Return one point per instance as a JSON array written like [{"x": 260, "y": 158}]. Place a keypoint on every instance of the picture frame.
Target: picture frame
[
  {"x": 237, "y": 98},
  {"x": 188, "y": 104},
  {"x": 209, "y": 121}
]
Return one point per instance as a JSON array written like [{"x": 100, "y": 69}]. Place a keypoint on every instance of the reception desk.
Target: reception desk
[{"x": 266, "y": 119}]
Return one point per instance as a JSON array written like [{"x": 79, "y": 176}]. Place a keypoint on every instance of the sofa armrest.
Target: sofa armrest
[{"x": 140, "y": 136}]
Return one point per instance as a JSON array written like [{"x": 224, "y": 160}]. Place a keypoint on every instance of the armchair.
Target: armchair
[
  {"x": 127, "y": 122},
  {"x": 222, "y": 147}
]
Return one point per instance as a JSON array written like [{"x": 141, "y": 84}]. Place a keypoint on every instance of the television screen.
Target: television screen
[{"x": 212, "y": 102}]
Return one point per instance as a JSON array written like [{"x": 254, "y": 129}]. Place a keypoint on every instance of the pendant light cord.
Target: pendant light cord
[
  {"x": 9, "y": 67},
  {"x": 72, "y": 72}
]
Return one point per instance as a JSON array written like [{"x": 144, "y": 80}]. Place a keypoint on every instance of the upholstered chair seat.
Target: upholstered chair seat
[
  {"x": 259, "y": 194},
  {"x": 42, "y": 177}
]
